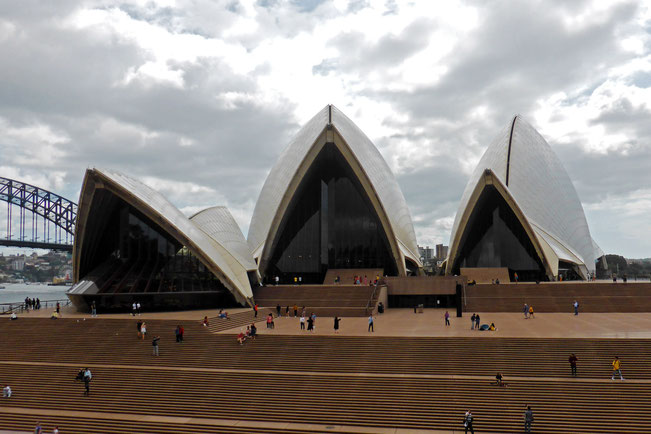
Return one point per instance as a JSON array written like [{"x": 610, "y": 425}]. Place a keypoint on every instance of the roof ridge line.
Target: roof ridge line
[{"x": 508, "y": 154}]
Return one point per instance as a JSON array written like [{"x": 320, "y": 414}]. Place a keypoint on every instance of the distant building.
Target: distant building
[
  {"x": 18, "y": 263},
  {"x": 426, "y": 254},
  {"x": 441, "y": 252}
]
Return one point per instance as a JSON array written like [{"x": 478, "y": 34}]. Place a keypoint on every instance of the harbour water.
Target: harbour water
[{"x": 16, "y": 292}]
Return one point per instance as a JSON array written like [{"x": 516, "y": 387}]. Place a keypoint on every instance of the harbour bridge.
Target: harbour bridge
[{"x": 36, "y": 218}]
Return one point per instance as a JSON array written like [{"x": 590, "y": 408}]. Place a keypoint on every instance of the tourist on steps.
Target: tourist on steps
[
  {"x": 472, "y": 321},
  {"x": 477, "y": 319},
  {"x": 370, "y": 323},
  {"x": 87, "y": 378},
  {"x": 572, "y": 359},
  {"x": 255, "y": 310},
  {"x": 617, "y": 369},
  {"x": 528, "y": 419},
  {"x": 337, "y": 319},
  {"x": 139, "y": 327},
  {"x": 576, "y": 307},
  {"x": 525, "y": 310},
  {"x": 38, "y": 429},
  {"x": 447, "y": 318},
  {"x": 143, "y": 331},
  {"x": 6, "y": 391},
  {"x": 154, "y": 344},
  {"x": 310, "y": 324},
  {"x": 467, "y": 422},
  {"x": 302, "y": 321},
  {"x": 531, "y": 312},
  {"x": 278, "y": 310}
]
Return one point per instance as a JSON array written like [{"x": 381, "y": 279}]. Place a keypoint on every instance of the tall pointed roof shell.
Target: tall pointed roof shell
[
  {"x": 376, "y": 170},
  {"x": 535, "y": 177}
]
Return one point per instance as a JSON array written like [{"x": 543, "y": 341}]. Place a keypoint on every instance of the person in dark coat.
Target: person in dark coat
[{"x": 337, "y": 319}]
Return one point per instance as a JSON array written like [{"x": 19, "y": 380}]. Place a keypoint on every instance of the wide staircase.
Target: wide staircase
[
  {"x": 210, "y": 383},
  {"x": 323, "y": 300},
  {"x": 347, "y": 275},
  {"x": 559, "y": 297}
]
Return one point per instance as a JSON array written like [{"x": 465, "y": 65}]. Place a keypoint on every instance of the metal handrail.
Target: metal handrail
[
  {"x": 368, "y": 303},
  {"x": 20, "y": 306}
]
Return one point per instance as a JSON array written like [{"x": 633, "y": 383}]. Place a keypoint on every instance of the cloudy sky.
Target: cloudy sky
[{"x": 197, "y": 98}]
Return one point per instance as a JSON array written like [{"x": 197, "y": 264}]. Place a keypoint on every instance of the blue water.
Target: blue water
[{"x": 16, "y": 292}]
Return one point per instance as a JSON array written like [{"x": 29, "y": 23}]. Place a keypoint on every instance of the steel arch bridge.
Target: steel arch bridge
[{"x": 36, "y": 217}]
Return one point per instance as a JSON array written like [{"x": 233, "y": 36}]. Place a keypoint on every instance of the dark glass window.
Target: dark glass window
[
  {"x": 494, "y": 237},
  {"x": 125, "y": 252},
  {"x": 330, "y": 223}
]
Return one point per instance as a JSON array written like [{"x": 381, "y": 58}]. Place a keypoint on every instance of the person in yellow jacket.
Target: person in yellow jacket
[{"x": 617, "y": 369}]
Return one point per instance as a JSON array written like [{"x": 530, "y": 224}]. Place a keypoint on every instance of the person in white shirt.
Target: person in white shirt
[
  {"x": 133, "y": 311},
  {"x": 13, "y": 316},
  {"x": 6, "y": 391}
]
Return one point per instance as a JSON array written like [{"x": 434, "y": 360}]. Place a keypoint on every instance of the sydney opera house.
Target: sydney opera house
[{"x": 329, "y": 202}]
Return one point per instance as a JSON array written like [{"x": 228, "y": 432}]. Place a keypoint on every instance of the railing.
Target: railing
[
  {"x": 368, "y": 304},
  {"x": 19, "y": 307}
]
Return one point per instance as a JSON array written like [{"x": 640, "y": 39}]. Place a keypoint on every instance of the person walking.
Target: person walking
[
  {"x": 515, "y": 277},
  {"x": 467, "y": 422},
  {"x": 370, "y": 323},
  {"x": 143, "y": 331},
  {"x": 58, "y": 308},
  {"x": 572, "y": 359},
  {"x": 93, "y": 309},
  {"x": 576, "y": 307},
  {"x": 154, "y": 344},
  {"x": 278, "y": 311},
  {"x": 525, "y": 310},
  {"x": 87, "y": 378},
  {"x": 617, "y": 369},
  {"x": 447, "y": 318},
  {"x": 528, "y": 419},
  {"x": 295, "y": 310},
  {"x": 38, "y": 429},
  {"x": 530, "y": 311},
  {"x": 477, "y": 319},
  {"x": 302, "y": 321},
  {"x": 310, "y": 324},
  {"x": 472, "y": 321},
  {"x": 182, "y": 330},
  {"x": 133, "y": 309},
  {"x": 337, "y": 319},
  {"x": 138, "y": 307},
  {"x": 139, "y": 327},
  {"x": 255, "y": 310},
  {"x": 177, "y": 333}
]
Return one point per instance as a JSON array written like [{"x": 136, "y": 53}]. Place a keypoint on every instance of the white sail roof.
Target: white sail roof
[
  {"x": 218, "y": 223},
  {"x": 293, "y": 160},
  {"x": 213, "y": 255},
  {"x": 536, "y": 179}
]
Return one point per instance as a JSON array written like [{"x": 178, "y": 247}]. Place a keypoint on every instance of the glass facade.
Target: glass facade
[
  {"x": 494, "y": 237},
  {"x": 330, "y": 223},
  {"x": 131, "y": 255}
]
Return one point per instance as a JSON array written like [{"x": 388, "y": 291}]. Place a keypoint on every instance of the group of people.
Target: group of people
[
  {"x": 39, "y": 429},
  {"x": 135, "y": 308},
  {"x": 528, "y": 311},
  {"x": 32, "y": 303},
  {"x": 468, "y": 420},
  {"x": 475, "y": 324},
  {"x": 250, "y": 333}
]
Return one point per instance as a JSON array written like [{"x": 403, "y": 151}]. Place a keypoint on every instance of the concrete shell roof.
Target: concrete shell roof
[
  {"x": 218, "y": 223},
  {"x": 374, "y": 166},
  {"x": 536, "y": 179},
  {"x": 151, "y": 203}
]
